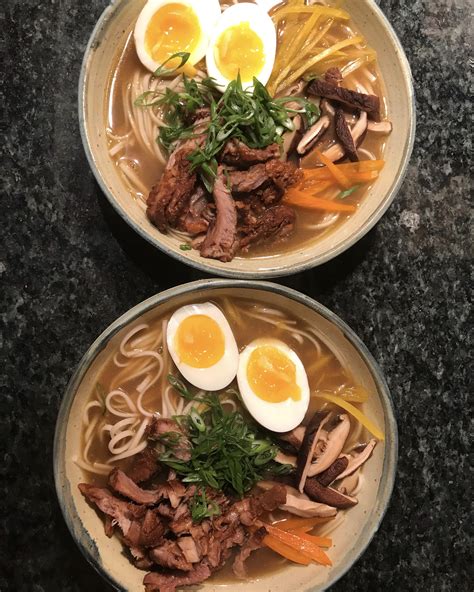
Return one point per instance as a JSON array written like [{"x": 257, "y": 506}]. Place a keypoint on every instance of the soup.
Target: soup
[
  {"x": 323, "y": 71},
  {"x": 199, "y": 471}
]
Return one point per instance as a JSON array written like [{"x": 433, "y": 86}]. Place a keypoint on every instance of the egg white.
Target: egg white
[
  {"x": 220, "y": 374},
  {"x": 207, "y": 13},
  {"x": 278, "y": 417},
  {"x": 260, "y": 23}
]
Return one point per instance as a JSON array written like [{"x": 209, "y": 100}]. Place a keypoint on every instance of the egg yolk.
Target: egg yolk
[
  {"x": 173, "y": 28},
  {"x": 199, "y": 341},
  {"x": 239, "y": 49},
  {"x": 272, "y": 375}
]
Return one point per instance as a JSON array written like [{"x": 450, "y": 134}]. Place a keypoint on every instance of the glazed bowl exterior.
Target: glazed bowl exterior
[
  {"x": 109, "y": 37},
  {"x": 360, "y": 523}
]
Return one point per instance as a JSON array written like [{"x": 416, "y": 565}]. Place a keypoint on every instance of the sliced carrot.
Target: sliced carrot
[
  {"x": 339, "y": 176},
  {"x": 294, "y": 523},
  {"x": 302, "y": 530},
  {"x": 317, "y": 185},
  {"x": 285, "y": 551},
  {"x": 348, "y": 167},
  {"x": 321, "y": 180},
  {"x": 304, "y": 546},
  {"x": 298, "y": 198},
  {"x": 317, "y": 540}
]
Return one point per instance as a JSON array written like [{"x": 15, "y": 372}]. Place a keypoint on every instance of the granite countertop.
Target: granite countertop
[{"x": 69, "y": 266}]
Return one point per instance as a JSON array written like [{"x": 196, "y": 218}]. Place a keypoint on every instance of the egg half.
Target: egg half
[
  {"x": 166, "y": 27},
  {"x": 244, "y": 41},
  {"x": 202, "y": 346},
  {"x": 273, "y": 384}
]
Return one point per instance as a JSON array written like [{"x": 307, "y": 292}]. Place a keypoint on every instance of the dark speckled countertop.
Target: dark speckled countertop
[{"x": 69, "y": 267}]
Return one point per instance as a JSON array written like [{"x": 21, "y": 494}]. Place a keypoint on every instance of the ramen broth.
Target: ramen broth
[
  {"x": 142, "y": 165},
  {"x": 249, "y": 320}
]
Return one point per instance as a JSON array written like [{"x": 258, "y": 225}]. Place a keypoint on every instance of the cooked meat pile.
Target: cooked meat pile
[
  {"x": 244, "y": 208},
  {"x": 156, "y": 527}
]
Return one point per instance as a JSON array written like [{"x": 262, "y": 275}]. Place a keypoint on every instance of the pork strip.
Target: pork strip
[
  {"x": 123, "y": 485},
  {"x": 238, "y": 154},
  {"x": 144, "y": 466},
  {"x": 169, "y": 196},
  {"x": 277, "y": 222},
  {"x": 221, "y": 240},
  {"x": 169, "y": 432}
]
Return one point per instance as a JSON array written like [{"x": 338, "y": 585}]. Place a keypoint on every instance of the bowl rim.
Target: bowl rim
[
  {"x": 202, "y": 263},
  {"x": 389, "y": 468}
]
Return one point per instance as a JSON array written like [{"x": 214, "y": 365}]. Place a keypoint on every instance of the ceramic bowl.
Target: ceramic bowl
[
  {"x": 359, "y": 525},
  {"x": 109, "y": 35}
]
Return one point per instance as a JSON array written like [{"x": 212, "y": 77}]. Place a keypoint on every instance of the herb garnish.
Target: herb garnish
[
  {"x": 227, "y": 453},
  {"x": 251, "y": 116},
  {"x": 348, "y": 192},
  {"x": 185, "y": 247},
  {"x": 201, "y": 507}
]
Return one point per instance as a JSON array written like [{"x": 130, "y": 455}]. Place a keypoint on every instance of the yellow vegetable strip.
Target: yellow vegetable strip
[
  {"x": 355, "y": 395},
  {"x": 303, "y": 34},
  {"x": 363, "y": 419},
  {"x": 324, "y": 54},
  {"x": 308, "y": 48},
  {"x": 316, "y": 35},
  {"x": 291, "y": 32},
  {"x": 323, "y": 10}
]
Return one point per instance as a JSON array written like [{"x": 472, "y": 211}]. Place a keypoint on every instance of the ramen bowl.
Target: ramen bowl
[
  {"x": 107, "y": 39},
  {"x": 360, "y": 523}
]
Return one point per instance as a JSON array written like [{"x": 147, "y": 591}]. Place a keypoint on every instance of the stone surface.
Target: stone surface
[{"x": 69, "y": 267}]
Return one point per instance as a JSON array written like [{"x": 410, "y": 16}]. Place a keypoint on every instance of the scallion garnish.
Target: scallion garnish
[
  {"x": 201, "y": 507},
  {"x": 249, "y": 115},
  {"x": 348, "y": 192},
  {"x": 227, "y": 451}
]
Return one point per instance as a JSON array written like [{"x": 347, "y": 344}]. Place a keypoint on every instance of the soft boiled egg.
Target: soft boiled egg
[
  {"x": 203, "y": 346},
  {"x": 273, "y": 384},
  {"x": 244, "y": 41},
  {"x": 166, "y": 27}
]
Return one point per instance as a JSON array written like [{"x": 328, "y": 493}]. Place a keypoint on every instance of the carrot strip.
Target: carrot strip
[
  {"x": 297, "y": 198},
  {"x": 363, "y": 419},
  {"x": 340, "y": 178},
  {"x": 294, "y": 523},
  {"x": 362, "y": 166},
  {"x": 317, "y": 540},
  {"x": 300, "y": 531},
  {"x": 285, "y": 551},
  {"x": 354, "y": 178},
  {"x": 316, "y": 185},
  {"x": 301, "y": 544}
]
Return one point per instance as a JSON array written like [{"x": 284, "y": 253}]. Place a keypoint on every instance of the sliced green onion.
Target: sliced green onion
[
  {"x": 348, "y": 192},
  {"x": 197, "y": 420}
]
